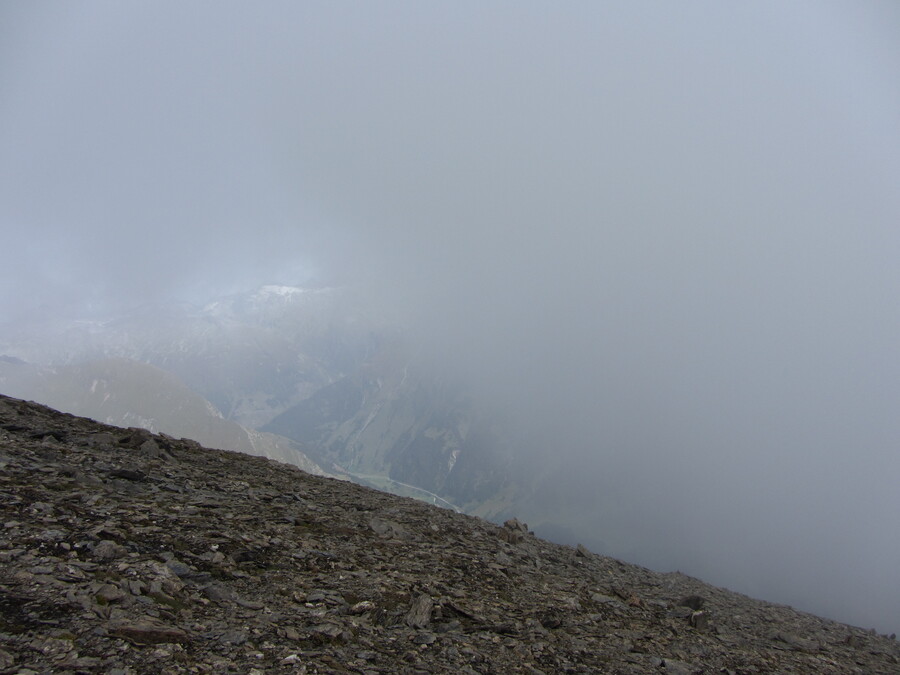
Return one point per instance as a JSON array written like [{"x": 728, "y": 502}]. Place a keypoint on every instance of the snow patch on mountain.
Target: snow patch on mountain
[{"x": 283, "y": 291}]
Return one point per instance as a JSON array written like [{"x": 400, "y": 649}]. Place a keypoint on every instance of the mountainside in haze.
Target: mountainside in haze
[
  {"x": 312, "y": 366},
  {"x": 131, "y": 394},
  {"x": 251, "y": 354},
  {"x": 392, "y": 422},
  {"x": 317, "y": 379},
  {"x": 128, "y": 552}
]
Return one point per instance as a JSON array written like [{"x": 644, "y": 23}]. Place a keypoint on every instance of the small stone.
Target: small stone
[
  {"x": 109, "y": 593},
  {"x": 424, "y": 638},
  {"x": 675, "y": 667},
  {"x": 218, "y": 593},
  {"x": 695, "y": 602},
  {"x": 328, "y": 630},
  {"x": 138, "y": 437},
  {"x": 52, "y": 535},
  {"x": 603, "y": 599},
  {"x": 388, "y": 528},
  {"x": 419, "y": 614},
  {"x": 233, "y": 637},
  {"x": 700, "y": 620},
  {"x": 248, "y": 604},
  {"x": 149, "y": 632},
  {"x": 550, "y": 619},
  {"x": 150, "y": 448},
  {"x": 103, "y": 439},
  {"x": 516, "y": 524},
  {"x": 6, "y": 659},
  {"x": 180, "y": 569},
  {"x": 128, "y": 474},
  {"x": 41, "y": 569},
  {"x": 108, "y": 550},
  {"x": 796, "y": 642},
  {"x": 512, "y": 536}
]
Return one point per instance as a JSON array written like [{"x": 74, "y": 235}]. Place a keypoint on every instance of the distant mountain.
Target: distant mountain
[
  {"x": 252, "y": 355},
  {"x": 311, "y": 376},
  {"x": 393, "y": 423},
  {"x": 131, "y": 394}
]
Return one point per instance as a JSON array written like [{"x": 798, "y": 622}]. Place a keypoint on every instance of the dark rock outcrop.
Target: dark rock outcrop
[{"x": 123, "y": 552}]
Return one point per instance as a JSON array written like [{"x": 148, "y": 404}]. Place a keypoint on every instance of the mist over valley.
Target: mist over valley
[{"x": 625, "y": 272}]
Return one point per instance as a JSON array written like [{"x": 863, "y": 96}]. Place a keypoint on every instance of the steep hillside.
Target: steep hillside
[{"x": 131, "y": 553}]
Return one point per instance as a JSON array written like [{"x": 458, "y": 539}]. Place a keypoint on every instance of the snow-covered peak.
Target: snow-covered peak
[{"x": 283, "y": 291}]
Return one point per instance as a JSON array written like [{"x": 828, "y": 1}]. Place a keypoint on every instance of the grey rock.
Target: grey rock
[
  {"x": 424, "y": 638},
  {"x": 150, "y": 449},
  {"x": 128, "y": 474},
  {"x": 699, "y": 620},
  {"x": 516, "y": 524},
  {"x": 180, "y": 569},
  {"x": 108, "y": 593},
  {"x": 676, "y": 667},
  {"x": 6, "y": 659},
  {"x": 101, "y": 440},
  {"x": 149, "y": 632},
  {"x": 108, "y": 550},
  {"x": 248, "y": 604},
  {"x": 388, "y": 528},
  {"x": 328, "y": 630},
  {"x": 218, "y": 593},
  {"x": 419, "y": 614},
  {"x": 797, "y": 642},
  {"x": 233, "y": 637},
  {"x": 695, "y": 602}
]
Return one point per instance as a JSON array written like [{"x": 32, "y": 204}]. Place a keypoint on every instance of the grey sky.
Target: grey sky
[{"x": 667, "y": 231}]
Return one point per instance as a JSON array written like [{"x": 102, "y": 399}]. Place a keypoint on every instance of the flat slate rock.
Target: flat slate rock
[{"x": 124, "y": 553}]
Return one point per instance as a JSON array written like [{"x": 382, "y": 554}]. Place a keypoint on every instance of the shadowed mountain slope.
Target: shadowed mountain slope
[{"x": 135, "y": 553}]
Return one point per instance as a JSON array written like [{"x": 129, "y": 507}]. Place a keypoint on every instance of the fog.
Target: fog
[{"x": 665, "y": 235}]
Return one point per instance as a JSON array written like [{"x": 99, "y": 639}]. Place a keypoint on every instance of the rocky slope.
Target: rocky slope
[{"x": 126, "y": 552}]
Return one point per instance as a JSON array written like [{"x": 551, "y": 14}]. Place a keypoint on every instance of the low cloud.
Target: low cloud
[{"x": 666, "y": 240}]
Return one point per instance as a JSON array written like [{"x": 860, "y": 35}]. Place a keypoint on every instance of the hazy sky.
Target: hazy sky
[{"x": 669, "y": 232}]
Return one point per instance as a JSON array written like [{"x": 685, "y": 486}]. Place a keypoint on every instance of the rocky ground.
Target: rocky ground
[{"x": 125, "y": 552}]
